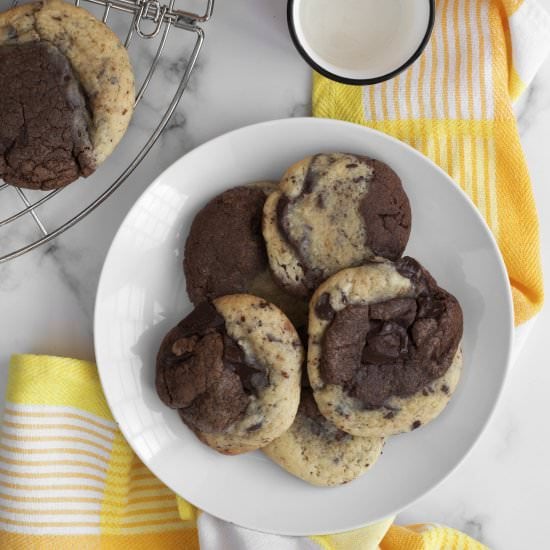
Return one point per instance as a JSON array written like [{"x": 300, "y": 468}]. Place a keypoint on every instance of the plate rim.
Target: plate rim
[{"x": 396, "y": 142}]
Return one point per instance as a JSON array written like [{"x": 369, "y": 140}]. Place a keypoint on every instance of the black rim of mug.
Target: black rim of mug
[{"x": 358, "y": 81}]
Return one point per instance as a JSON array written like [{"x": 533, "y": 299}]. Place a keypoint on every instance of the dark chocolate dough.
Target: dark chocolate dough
[
  {"x": 396, "y": 347},
  {"x": 225, "y": 250},
  {"x": 44, "y": 129},
  {"x": 203, "y": 372}
]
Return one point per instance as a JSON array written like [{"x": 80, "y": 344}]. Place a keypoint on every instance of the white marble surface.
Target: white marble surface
[{"x": 249, "y": 72}]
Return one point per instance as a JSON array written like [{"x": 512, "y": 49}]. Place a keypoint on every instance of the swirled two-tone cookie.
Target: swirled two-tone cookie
[
  {"x": 67, "y": 94},
  {"x": 232, "y": 368},
  {"x": 316, "y": 451},
  {"x": 384, "y": 348},
  {"x": 225, "y": 251},
  {"x": 333, "y": 211}
]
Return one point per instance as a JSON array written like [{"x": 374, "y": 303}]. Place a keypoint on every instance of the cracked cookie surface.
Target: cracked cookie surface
[
  {"x": 43, "y": 143},
  {"x": 225, "y": 251},
  {"x": 68, "y": 94},
  {"x": 232, "y": 368},
  {"x": 384, "y": 348},
  {"x": 333, "y": 211}
]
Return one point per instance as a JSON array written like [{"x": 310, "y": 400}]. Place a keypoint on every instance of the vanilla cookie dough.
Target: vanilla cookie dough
[
  {"x": 384, "y": 348},
  {"x": 316, "y": 451},
  {"x": 333, "y": 211},
  {"x": 232, "y": 368},
  {"x": 67, "y": 94},
  {"x": 225, "y": 251}
]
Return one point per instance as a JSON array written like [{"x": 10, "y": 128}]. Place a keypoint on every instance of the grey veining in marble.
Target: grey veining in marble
[
  {"x": 474, "y": 527},
  {"x": 78, "y": 268}
]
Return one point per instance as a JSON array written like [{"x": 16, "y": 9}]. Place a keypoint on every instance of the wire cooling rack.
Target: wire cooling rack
[{"x": 30, "y": 218}]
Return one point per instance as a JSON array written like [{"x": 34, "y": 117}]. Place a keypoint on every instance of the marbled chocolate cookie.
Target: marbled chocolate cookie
[
  {"x": 232, "y": 368},
  {"x": 333, "y": 211},
  {"x": 316, "y": 451},
  {"x": 67, "y": 94},
  {"x": 225, "y": 251},
  {"x": 384, "y": 348}
]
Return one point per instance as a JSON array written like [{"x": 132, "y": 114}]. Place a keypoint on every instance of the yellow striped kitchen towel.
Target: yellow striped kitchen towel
[
  {"x": 455, "y": 106},
  {"x": 69, "y": 480}
]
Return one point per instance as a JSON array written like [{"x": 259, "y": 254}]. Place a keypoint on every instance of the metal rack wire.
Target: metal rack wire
[{"x": 146, "y": 20}]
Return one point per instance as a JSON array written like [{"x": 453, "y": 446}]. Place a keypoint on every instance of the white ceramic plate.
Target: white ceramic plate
[{"x": 142, "y": 295}]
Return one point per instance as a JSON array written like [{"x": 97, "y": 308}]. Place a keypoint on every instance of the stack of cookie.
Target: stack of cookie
[{"x": 312, "y": 337}]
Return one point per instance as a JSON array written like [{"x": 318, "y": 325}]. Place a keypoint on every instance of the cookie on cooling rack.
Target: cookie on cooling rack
[
  {"x": 333, "y": 211},
  {"x": 67, "y": 94},
  {"x": 232, "y": 368},
  {"x": 316, "y": 451},
  {"x": 384, "y": 348},
  {"x": 225, "y": 251}
]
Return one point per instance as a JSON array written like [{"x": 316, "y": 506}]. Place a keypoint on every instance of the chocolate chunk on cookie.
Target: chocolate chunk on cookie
[
  {"x": 232, "y": 368},
  {"x": 333, "y": 211},
  {"x": 392, "y": 337},
  {"x": 204, "y": 373}
]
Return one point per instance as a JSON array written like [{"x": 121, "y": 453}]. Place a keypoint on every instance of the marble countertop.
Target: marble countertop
[{"x": 248, "y": 72}]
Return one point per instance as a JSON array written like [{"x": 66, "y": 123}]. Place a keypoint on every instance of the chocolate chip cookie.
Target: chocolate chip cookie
[
  {"x": 232, "y": 368},
  {"x": 67, "y": 94},
  {"x": 333, "y": 211},
  {"x": 316, "y": 451},
  {"x": 225, "y": 251},
  {"x": 384, "y": 348}
]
